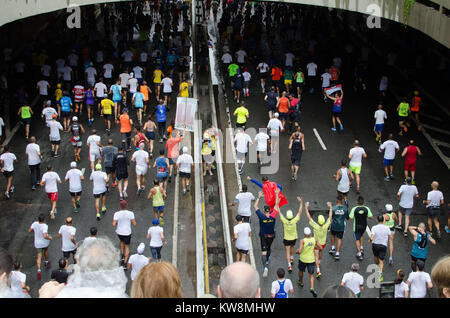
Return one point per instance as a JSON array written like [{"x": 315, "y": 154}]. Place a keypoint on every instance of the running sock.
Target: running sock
[{"x": 332, "y": 247}]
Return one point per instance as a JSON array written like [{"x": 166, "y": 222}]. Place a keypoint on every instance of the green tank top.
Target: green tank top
[
  {"x": 391, "y": 222},
  {"x": 403, "y": 109},
  {"x": 25, "y": 112},
  {"x": 158, "y": 199},
  {"x": 299, "y": 78},
  {"x": 307, "y": 255}
]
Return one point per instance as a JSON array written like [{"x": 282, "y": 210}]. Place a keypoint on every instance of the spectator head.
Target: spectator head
[
  {"x": 440, "y": 274},
  {"x": 338, "y": 291},
  {"x": 62, "y": 263},
  {"x": 157, "y": 280},
  {"x": 239, "y": 280}
]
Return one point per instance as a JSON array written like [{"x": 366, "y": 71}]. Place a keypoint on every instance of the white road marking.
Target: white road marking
[
  {"x": 430, "y": 116},
  {"x": 320, "y": 139},
  {"x": 442, "y": 131},
  {"x": 442, "y": 143}
]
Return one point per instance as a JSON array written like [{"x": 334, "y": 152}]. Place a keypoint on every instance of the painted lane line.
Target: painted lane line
[
  {"x": 320, "y": 139},
  {"x": 441, "y": 143},
  {"x": 442, "y": 131}
]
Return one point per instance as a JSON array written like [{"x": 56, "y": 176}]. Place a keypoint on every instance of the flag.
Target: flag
[{"x": 269, "y": 188}]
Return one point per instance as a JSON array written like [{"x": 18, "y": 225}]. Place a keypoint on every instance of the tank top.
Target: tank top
[
  {"x": 161, "y": 167},
  {"x": 417, "y": 101},
  {"x": 125, "y": 126},
  {"x": 150, "y": 126},
  {"x": 161, "y": 113},
  {"x": 281, "y": 293},
  {"x": 141, "y": 140},
  {"x": 76, "y": 131},
  {"x": 337, "y": 105},
  {"x": 299, "y": 78},
  {"x": 296, "y": 148},
  {"x": 25, "y": 112},
  {"x": 89, "y": 97},
  {"x": 307, "y": 255},
  {"x": 411, "y": 154},
  {"x": 391, "y": 222},
  {"x": 158, "y": 199},
  {"x": 344, "y": 182},
  {"x": 403, "y": 109}
]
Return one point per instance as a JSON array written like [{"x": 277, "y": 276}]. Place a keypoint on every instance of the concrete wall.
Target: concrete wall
[{"x": 430, "y": 21}]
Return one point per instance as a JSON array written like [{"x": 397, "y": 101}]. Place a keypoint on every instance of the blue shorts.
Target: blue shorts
[
  {"x": 358, "y": 235},
  {"x": 159, "y": 208},
  {"x": 388, "y": 162},
  {"x": 378, "y": 127}
]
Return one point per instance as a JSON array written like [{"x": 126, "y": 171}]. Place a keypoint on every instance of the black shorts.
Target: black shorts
[
  {"x": 309, "y": 266},
  {"x": 8, "y": 174},
  {"x": 266, "y": 242},
  {"x": 283, "y": 116},
  {"x": 433, "y": 212},
  {"x": 379, "y": 251},
  {"x": 242, "y": 251},
  {"x": 263, "y": 75},
  {"x": 337, "y": 114},
  {"x": 65, "y": 114},
  {"x": 125, "y": 136},
  {"x": 402, "y": 118},
  {"x": 107, "y": 116},
  {"x": 289, "y": 242},
  {"x": 276, "y": 83},
  {"x": 97, "y": 196},
  {"x": 185, "y": 175},
  {"x": 75, "y": 194},
  {"x": 126, "y": 239},
  {"x": 55, "y": 142},
  {"x": 240, "y": 124},
  {"x": 167, "y": 94},
  {"x": 296, "y": 161},
  {"x": 26, "y": 121},
  {"x": 120, "y": 176},
  {"x": 67, "y": 254},
  {"x": 150, "y": 135},
  {"x": 338, "y": 234},
  {"x": 110, "y": 170}
]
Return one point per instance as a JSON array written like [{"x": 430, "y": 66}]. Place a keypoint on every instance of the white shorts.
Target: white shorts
[
  {"x": 141, "y": 170},
  {"x": 94, "y": 155}
]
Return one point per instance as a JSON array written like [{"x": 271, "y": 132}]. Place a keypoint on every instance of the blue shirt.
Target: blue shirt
[
  {"x": 116, "y": 93},
  {"x": 161, "y": 113},
  {"x": 171, "y": 59},
  {"x": 281, "y": 293},
  {"x": 161, "y": 167},
  {"x": 138, "y": 100},
  {"x": 65, "y": 102},
  {"x": 266, "y": 224},
  {"x": 417, "y": 251}
]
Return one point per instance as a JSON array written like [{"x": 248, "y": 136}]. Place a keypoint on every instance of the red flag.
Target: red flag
[{"x": 269, "y": 188}]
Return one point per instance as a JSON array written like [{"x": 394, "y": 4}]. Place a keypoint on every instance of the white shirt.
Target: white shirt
[
  {"x": 108, "y": 70},
  {"x": 155, "y": 236},
  {"x": 244, "y": 200},
  {"x": 227, "y": 58},
  {"x": 43, "y": 87},
  {"x": 435, "y": 197},
  {"x": 276, "y": 286},
  {"x": 418, "y": 282},
  {"x": 312, "y": 69},
  {"x": 32, "y": 151},
  {"x": 381, "y": 234},
  {"x": 66, "y": 232},
  {"x": 380, "y": 116},
  {"x": 242, "y": 230},
  {"x": 99, "y": 56},
  {"x": 261, "y": 141},
  {"x": 289, "y": 59},
  {"x": 89, "y": 240},
  {"x": 144, "y": 57},
  {"x": 39, "y": 229},
  {"x": 93, "y": 141},
  {"x": 133, "y": 82},
  {"x": 141, "y": 157},
  {"x": 60, "y": 63},
  {"x": 247, "y": 76},
  {"x": 100, "y": 89},
  {"x": 137, "y": 261},
  {"x": 67, "y": 73},
  {"x": 353, "y": 281},
  {"x": 242, "y": 141},
  {"x": 127, "y": 56},
  {"x": 400, "y": 290},
  {"x": 275, "y": 126},
  {"x": 91, "y": 72},
  {"x": 384, "y": 83},
  {"x": 55, "y": 127},
  {"x": 8, "y": 161},
  {"x": 240, "y": 55},
  {"x": 185, "y": 162},
  {"x": 46, "y": 69},
  {"x": 407, "y": 196},
  {"x": 138, "y": 71},
  {"x": 263, "y": 67},
  {"x": 124, "y": 77},
  {"x": 48, "y": 113},
  {"x": 357, "y": 154},
  {"x": 17, "y": 278},
  {"x": 389, "y": 147},
  {"x": 167, "y": 82},
  {"x": 326, "y": 77},
  {"x": 51, "y": 179},
  {"x": 74, "y": 177},
  {"x": 123, "y": 218},
  {"x": 98, "y": 179}
]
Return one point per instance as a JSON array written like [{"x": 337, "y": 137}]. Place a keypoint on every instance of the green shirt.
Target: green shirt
[
  {"x": 352, "y": 213},
  {"x": 403, "y": 109},
  {"x": 299, "y": 78},
  {"x": 320, "y": 231},
  {"x": 307, "y": 254},
  {"x": 290, "y": 227},
  {"x": 158, "y": 199},
  {"x": 241, "y": 113},
  {"x": 340, "y": 214},
  {"x": 25, "y": 112},
  {"x": 288, "y": 75},
  {"x": 232, "y": 69},
  {"x": 391, "y": 222}
]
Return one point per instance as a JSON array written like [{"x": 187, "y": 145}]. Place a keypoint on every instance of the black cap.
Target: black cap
[{"x": 266, "y": 208}]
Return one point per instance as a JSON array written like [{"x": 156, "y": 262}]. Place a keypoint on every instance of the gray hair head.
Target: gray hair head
[{"x": 239, "y": 280}]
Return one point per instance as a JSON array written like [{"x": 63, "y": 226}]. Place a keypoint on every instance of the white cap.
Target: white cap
[
  {"x": 73, "y": 164},
  {"x": 74, "y": 118},
  {"x": 307, "y": 231},
  {"x": 185, "y": 149},
  {"x": 141, "y": 248},
  {"x": 276, "y": 115},
  {"x": 389, "y": 207}
]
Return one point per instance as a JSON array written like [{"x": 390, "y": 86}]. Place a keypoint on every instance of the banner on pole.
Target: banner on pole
[{"x": 185, "y": 115}]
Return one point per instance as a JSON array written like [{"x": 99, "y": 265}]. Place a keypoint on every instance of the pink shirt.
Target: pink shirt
[{"x": 172, "y": 149}]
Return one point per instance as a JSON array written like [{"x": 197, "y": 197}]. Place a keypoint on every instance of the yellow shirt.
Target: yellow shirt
[
  {"x": 107, "y": 106},
  {"x": 320, "y": 232},
  {"x": 157, "y": 74},
  {"x": 241, "y": 113},
  {"x": 290, "y": 228},
  {"x": 58, "y": 94},
  {"x": 307, "y": 255},
  {"x": 184, "y": 90}
]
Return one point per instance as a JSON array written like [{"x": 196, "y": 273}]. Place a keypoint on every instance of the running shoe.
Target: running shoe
[
  {"x": 333, "y": 129},
  {"x": 125, "y": 195},
  {"x": 107, "y": 188},
  {"x": 184, "y": 191},
  {"x": 266, "y": 272},
  {"x": 38, "y": 276},
  {"x": 413, "y": 182},
  {"x": 47, "y": 264},
  {"x": 300, "y": 283},
  {"x": 387, "y": 179},
  {"x": 377, "y": 138},
  {"x": 75, "y": 210},
  {"x": 138, "y": 193},
  {"x": 438, "y": 234},
  {"x": 332, "y": 251},
  {"x": 268, "y": 261},
  {"x": 290, "y": 268},
  {"x": 151, "y": 155},
  {"x": 362, "y": 251},
  {"x": 398, "y": 227},
  {"x": 292, "y": 177},
  {"x": 313, "y": 292},
  {"x": 170, "y": 179},
  {"x": 11, "y": 189},
  {"x": 121, "y": 197},
  {"x": 447, "y": 229},
  {"x": 341, "y": 127},
  {"x": 381, "y": 277},
  {"x": 187, "y": 187},
  {"x": 359, "y": 257},
  {"x": 336, "y": 257},
  {"x": 33, "y": 188},
  {"x": 98, "y": 216},
  {"x": 7, "y": 194},
  {"x": 104, "y": 209},
  {"x": 405, "y": 234},
  {"x": 391, "y": 176},
  {"x": 391, "y": 261},
  {"x": 318, "y": 275}
]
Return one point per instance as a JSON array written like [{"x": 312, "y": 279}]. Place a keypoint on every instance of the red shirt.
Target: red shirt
[
  {"x": 172, "y": 149},
  {"x": 276, "y": 73},
  {"x": 411, "y": 154},
  {"x": 334, "y": 73},
  {"x": 283, "y": 106}
]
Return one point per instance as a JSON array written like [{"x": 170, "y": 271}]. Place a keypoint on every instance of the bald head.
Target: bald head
[
  {"x": 435, "y": 185},
  {"x": 239, "y": 280}
]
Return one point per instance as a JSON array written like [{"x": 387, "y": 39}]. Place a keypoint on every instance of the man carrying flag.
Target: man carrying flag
[{"x": 269, "y": 189}]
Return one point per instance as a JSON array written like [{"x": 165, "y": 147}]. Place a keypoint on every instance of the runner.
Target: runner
[
  {"x": 419, "y": 252},
  {"x": 238, "y": 83},
  {"x": 48, "y": 112},
  {"x": 416, "y": 103},
  {"x": 18, "y": 279},
  {"x": 95, "y": 147},
  {"x": 125, "y": 129},
  {"x": 326, "y": 82},
  {"x": 34, "y": 157},
  {"x": 263, "y": 68},
  {"x": 101, "y": 92},
  {"x": 242, "y": 115},
  {"x": 137, "y": 261},
  {"x": 241, "y": 142},
  {"x": 74, "y": 176},
  {"x": 288, "y": 77},
  {"x": 434, "y": 201},
  {"x": 25, "y": 113},
  {"x": 157, "y": 77},
  {"x": 380, "y": 116},
  {"x": 184, "y": 166},
  {"x": 261, "y": 140},
  {"x": 283, "y": 108},
  {"x": 51, "y": 179},
  {"x": 390, "y": 148},
  {"x": 156, "y": 235},
  {"x": 172, "y": 151},
  {"x": 403, "y": 113},
  {"x": 379, "y": 238},
  {"x": 146, "y": 90},
  {"x": 410, "y": 153},
  {"x": 116, "y": 91},
  {"x": 353, "y": 280},
  {"x": 274, "y": 126},
  {"x": 122, "y": 221},
  {"x": 7, "y": 160},
  {"x": 79, "y": 92},
  {"x": 77, "y": 130},
  {"x": 90, "y": 105},
  {"x": 337, "y": 109},
  {"x": 406, "y": 195},
  {"x": 247, "y": 77},
  {"x": 69, "y": 244},
  {"x": 149, "y": 129},
  {"x": 167, "y": 84},
  {"x": 243, "y": 200},
  {"x": 356, "y": 155},
  {"x": 320, "y": 234},
  {"x": 99, "y": 181},
  {"x": 242, "y": 233},
  {"x": 389, "y": 220},
  {"x": 299, "y": 82},
  {"x": 307, "y": 259},
  {"x": 183, "y": 90},
  {"x": 419, "y": 282},
  {"x": 41, "y": 242},
  {"x": 272, "y": 100},
  {"x": 401, "y": 288},
  {"x": 121, "y": 163},
  {"x": 297, "y": 146},
  {"x": 360, "y": 213},
  {"x": 344, "y": 177},
  {"x": 312, "y": 73},
  {"x": 282, "y": 286},
  {"x": 337, "y": 228},
  {"x": 108, "y": 154},
  {"x": 107, "y": 110},
  {"x": 142, "y": 164},
  {"x": 157, "y": 194},
  {"x": 55, "y": 137},
  {"x": 290, "y": 232},
  {"x": 161, "y": 118},
  {"x": 276, "y": 74}
]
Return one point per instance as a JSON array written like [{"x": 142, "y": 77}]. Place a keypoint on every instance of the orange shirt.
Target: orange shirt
[
  {"x": 415, "y": 107},
  {"x": 172, "y": 149},
  {"x": 283, "y": 107},
  {"x": 144, "y": 90},
  {"x": 125, "y": 124},
  {"x": 170, "y": 131}
]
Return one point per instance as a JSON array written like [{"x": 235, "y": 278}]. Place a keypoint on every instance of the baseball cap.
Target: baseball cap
[
  {"x": 266, "y": 208},
  {"x": 49, "y": 102},
  {"x": 141, "y": 248},
  {"x": 185, "y": 149},
  {"x": 276, "y": 115},
  {"x": 73, "y": 164},
  {"x": 155, "y": 222},
  {"x": 307, "y": 231},
  {"x": 98, "y": 166},
  {"x": 74, "y": 118},
  {"x": 289, "y": 214},
  {"x": 58, "y": 85},
  {"x": 321, "y": 219},
  {"x": 389, "y": 207}
]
